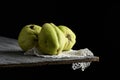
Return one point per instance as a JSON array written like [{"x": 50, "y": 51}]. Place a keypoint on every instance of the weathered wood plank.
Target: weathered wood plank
[{"x": 12, "y": 56}]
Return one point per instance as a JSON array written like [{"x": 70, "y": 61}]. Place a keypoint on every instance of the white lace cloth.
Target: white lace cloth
[{"x": 72, "y": 53}]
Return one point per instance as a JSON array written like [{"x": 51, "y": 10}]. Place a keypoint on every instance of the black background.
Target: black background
[{"x": 95, "y": 25}]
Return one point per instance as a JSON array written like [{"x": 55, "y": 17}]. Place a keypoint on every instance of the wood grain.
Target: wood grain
[{"x": 11, "y": 55}]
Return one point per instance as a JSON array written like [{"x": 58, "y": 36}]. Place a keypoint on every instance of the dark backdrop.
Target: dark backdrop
[{"x": 95, "y": 25}]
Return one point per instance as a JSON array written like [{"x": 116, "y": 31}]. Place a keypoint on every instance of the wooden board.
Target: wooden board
[{"x": 11, "y": 55}]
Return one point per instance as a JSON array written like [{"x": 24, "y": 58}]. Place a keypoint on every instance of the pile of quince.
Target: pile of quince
[{"x": 48, "y": 38}]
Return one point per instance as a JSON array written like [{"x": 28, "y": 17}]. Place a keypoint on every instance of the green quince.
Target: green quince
[{"x": 28, "y": 36}]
